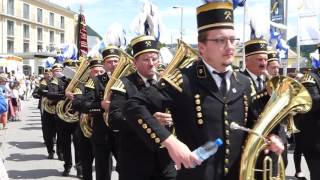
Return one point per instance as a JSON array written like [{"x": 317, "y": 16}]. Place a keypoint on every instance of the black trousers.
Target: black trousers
[
  {"x": 48, "y": 129},
  {"x": 103, "y": 161},
  {"x": 60, "y": 135},
  {"x": 86, "y": 154},
  {"x": 68, "y": 134},
  {"x": 313, "y": 161}
]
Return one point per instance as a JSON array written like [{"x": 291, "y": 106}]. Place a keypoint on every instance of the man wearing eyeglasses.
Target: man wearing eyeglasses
[{"x": 203, "y": 99}]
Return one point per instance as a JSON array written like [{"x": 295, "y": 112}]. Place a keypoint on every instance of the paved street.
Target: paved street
[{"x": 26, "y": 157}]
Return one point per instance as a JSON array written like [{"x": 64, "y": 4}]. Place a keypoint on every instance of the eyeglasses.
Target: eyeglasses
[{"x": 223, "y": 40}]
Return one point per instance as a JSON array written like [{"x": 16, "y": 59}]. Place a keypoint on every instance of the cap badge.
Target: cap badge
[
  {"x": 228, "y": 15},
  {"x": 262, "y": 45},
  {"x": 148, "y": 43}
]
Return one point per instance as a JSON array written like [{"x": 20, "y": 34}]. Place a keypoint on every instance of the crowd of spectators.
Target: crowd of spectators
[{"x": 12, "y": 92}]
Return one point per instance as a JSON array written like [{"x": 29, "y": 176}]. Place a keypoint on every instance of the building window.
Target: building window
[
  {"x": 62, "y": 22},
  {"x": 39, "y": 34},
  {"x": 51, "y": 21},
  {"x": 39, "y": 15},
  {"x": 39, "y": 47},
  {"x": 10, "y": 31},
  {"x": 51, "y": 37},
  {"x": 10, "y": 7},
  {"x": 26, "y": 9},
  {"x": 61, "y": 38},
  {"x": 25, "y": 46},
  {"x": 40, "y": 70},
  {"x": 10, "y": 46},
  {"x": 26, "y": 32}
]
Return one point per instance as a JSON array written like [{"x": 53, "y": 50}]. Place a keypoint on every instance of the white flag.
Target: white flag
[{"x": 309, "y": 29}]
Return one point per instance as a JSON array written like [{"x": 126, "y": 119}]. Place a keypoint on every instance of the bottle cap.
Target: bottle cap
[{"x": 218, "y": 142}]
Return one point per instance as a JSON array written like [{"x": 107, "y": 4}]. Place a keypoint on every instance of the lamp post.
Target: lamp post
[{"x": 181, "y": 8}]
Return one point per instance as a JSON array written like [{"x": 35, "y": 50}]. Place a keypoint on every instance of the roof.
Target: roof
[
  {"x": 53, "y": 5},
  {"x": 91, "y": 32}
]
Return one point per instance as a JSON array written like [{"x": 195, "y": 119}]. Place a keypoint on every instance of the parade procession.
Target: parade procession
[{"x": 173, "y": 90}]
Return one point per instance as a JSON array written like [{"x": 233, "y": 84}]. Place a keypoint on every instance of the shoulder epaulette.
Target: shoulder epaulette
[
  {"x": 77, "y": 91},
  {"x": 89, "y": 84},
  {"x": 118, "y": 86},
  {"x": 175, "y": 80},
  {"x": 55, "y": 81},
  {"x": 43, "y": 82},
  {"x": 253, "y": 90},
  {"x": 307, "y": 78}
]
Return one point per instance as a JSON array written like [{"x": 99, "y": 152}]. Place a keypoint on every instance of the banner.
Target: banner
[
  {"x": 309, "y": 28},
  {"x": 82, "y": 36}
]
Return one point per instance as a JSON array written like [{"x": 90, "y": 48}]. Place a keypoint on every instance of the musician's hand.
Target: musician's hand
[
  {"x": 105, "y": 104},
  {"x": 163, "y": 118},
  {"x": 180, "y": 153},
  {"x": 275, "y": 145},
  {"x": 69, "y": 95}
]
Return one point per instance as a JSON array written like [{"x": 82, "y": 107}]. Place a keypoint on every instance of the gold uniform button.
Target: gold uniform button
[
  {"x": 228, "y": 142},
  {"x": 144, "y": 126},
  {"x": 226, "y": 161},
  {"x": 153, "y": 135},
  {"x": 225, "y": 113},
  {"x": 200, "y": 121},
  {"x": 226, "y": 170},
  {"x": 148, "y": 130},
  {"x": 226, "y": 123},
  {"x": 163, "y": 84},
  {"x": 197, "y": 101},
  {"x": 199, "y": 115},
  {"x": 197, "y": 96},
  {"x": 157, "y": 140},
  {"x": 227, "y": 132},
  {"x": 140, "y": 121},
  {"x": 227, "y": 151},
  {"x": 198, "y": 108}
]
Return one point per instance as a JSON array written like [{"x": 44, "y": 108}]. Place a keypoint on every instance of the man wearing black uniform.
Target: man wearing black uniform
[
  {"x": 256, "y": 62},
  {"x": 273, "y": 63},
  {"x": 37, "y": 93},
  {"x": 137, "y": 161},
  {"x": 94, "y": 106},
  {"x": 47, "y": 118},
  {"x": 204, "y": 99},
  {"x": 308, "y": 140},
  {"x": 66, "y": 130}
]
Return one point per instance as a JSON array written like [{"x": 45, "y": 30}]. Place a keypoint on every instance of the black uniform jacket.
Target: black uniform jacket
[
  {"x": 132, "y": 149},
  {"x": 94, "y": 92},
  {"x": 200, "y": 114},
  {"x": 309, "y": 124}
]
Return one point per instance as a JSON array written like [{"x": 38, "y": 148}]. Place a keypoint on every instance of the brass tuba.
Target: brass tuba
[
  {"x": 64, "y": 107},
  {"x": 86, "y": 125},
  {"x": 184, "y": 57},
  {"x": 288, "y": 98},
  {"x": 124, "y": 67},
  {"x": 48, "y": 106}
]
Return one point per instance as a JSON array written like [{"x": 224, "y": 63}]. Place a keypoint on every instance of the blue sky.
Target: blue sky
[{"x": 101, "y": 13}]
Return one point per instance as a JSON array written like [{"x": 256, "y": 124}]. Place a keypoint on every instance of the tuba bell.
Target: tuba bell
[
  {"x": 124, "y": 67},
  {"x": 64, "y": 107},
  {"x": 86, "y": 125},
  {"x": 48, "y": 106},
  {"x": 288, "y": 98}
]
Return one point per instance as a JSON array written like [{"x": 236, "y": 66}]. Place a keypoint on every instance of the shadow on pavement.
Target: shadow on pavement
[
  {"x": 38, "y": 116},
  {"x": 33, "y": 174},
  {"x": 31, "y": 128},
  {"x": 33, "y": 124},
  {"x": 33, "y": 119},
  {"x": 26, "y": 144},
  {"x": 26, "y": 157}
]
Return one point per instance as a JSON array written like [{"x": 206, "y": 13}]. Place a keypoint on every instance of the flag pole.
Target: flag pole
[
  {"x": 244, "y": 37},
  {"x": 298, "y": 44}
]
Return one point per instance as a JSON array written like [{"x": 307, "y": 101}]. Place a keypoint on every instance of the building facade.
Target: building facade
[{"x": 33, "y": 29}]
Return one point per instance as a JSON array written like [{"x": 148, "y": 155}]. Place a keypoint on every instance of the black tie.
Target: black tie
[
  {"x": 152, "y": 82},
  {"x": 260, "y": 86},
  {"x": 223, "y": 85}
]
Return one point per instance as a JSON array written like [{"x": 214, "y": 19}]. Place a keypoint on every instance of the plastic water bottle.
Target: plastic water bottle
[{"x": 208, "y": 149}]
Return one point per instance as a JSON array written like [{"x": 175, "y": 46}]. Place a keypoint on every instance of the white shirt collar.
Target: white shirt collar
[{"x": 144, "y": 79}]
